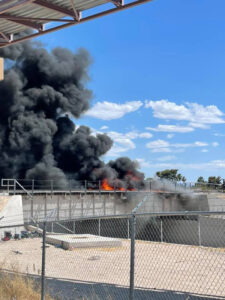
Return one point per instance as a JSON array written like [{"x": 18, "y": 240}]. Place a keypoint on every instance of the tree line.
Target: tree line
[{"x": 174, "y": 175}]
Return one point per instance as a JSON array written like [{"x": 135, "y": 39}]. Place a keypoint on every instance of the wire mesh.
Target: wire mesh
[
  {"x": 177, "y": 256},
  {"x": 92, "y": 255},
  {"x": 180, "y": 257},
  {"x": 20, "y": 263}
]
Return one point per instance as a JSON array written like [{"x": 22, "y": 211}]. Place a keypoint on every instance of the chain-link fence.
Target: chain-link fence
[{"x": 137, "y": 256}]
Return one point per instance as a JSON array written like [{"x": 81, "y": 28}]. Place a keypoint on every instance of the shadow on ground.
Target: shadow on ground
[{"x": 63, "y": 289}]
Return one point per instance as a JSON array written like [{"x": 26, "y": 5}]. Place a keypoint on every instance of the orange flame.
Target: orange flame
[{"x": 106, "y": 186}]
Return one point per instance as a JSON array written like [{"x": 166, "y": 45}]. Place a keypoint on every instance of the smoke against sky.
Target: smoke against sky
[{"x": 40, "y": 95}]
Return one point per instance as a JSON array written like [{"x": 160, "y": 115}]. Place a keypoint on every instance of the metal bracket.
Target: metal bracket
[{"x": 118, "y": 3}]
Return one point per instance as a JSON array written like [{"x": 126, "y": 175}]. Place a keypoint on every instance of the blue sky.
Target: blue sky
[{"x": 158, "y": 77}]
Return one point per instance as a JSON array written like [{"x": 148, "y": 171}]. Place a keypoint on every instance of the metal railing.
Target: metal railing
[{"x": 31, "y": 186}]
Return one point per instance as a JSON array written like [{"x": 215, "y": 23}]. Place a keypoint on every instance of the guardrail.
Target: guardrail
[{"x": 31, "y": 186}]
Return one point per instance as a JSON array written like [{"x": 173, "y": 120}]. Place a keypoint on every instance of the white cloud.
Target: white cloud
[
  {"x": 161, "y": 150},
  {"x": 195, "y": 113},
  {"x": 205, "y": 150},
  {"x": 200, "y": 144},
  {"x": 199, "y": 125},
  {"x": 165, "y": 146},
  {"x": 171, "y": 128},
  {"x": 145, "y": 135},
  {"x": 215, "y": 144},
  {"x": 104, "y": 127},
  {"x": 219, "y": 134},
  {"x": 143, "y": 163},
  {"x": 158, "y": 144},
  {"x": 110, "y": 110},
  {"x": 117, "y": 150},
  {"x": 170, "y": 136},
  {"x": 123, "y": 142},
  {"x": 163, "y": 109},
  {"x": 166, "y": 158},
  {"x": 207, "y": 166}
]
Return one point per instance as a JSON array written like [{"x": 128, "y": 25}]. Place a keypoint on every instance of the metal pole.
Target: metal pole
[
  {"x": 199, "y": 232},
  {"x": 70, "y": 186},
  {"x": 74, "y": 227},
  {"x": 14, "y": 184},
  {"x": 58, "y": 209},
  {"x": 43, "y": 263},
  {"x": 161, "y": 230},
  {"x": 70, "y": 207},
  {"x": 51, "y": 188},
  {"x": 99, "y": 227},
  {"x": 32, "y": 187},
  {"x": 132, "y": 256},
  {"x": 70, "y": 203},
  {"x": 32, "y": 199},
  {"x": 45, "y": 205},
  {"x": 93, "y": 208}
]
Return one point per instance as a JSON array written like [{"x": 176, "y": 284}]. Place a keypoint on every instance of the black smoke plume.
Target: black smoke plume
[{"x": 41, "y": 94}]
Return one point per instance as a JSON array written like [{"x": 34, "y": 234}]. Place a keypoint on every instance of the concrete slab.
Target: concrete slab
[
  {"x": 11, "y": 214},
  {"x": 70, "y": 241}
]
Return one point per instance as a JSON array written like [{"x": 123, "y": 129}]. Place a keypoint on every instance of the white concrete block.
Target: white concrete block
[{"x": 70, "y": 241}]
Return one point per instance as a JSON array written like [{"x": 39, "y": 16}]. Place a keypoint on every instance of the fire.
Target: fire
[{"x": 106, "y": 186}]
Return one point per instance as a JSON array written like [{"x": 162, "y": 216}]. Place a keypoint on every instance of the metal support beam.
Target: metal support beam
[
  {"x": 60, "y": 9},
  {"x": 6, "y": 37},
  {"x": 69, "y": 13},
  {"x": 18, "y": 18},
  {"x": 22, "y": 21},
  {"x": 76, "y": 12}
]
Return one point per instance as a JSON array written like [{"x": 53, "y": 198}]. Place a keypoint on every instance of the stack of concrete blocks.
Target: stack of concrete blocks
[{"x": 11, "y": 214}]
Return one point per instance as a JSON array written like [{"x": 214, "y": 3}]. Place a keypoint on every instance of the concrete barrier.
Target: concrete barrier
[{"x": 11, "y": 214}]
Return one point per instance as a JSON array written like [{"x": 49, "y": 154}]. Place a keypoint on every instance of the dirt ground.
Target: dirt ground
[{"x": 159, "y": 266}]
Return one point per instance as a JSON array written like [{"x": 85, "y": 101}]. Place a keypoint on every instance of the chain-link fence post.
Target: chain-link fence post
[
  {"x": 14, "y": 188},
  {"x": 99, "y": 227},
  {"x": 161, "y": 230},
  {"x": 199, "y": 231},
  {"x": 132, "y": 256},
  {"x": 43, "y": 263}
]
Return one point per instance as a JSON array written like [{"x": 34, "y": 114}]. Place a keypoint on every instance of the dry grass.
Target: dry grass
[{"x": 14, "y": 286}]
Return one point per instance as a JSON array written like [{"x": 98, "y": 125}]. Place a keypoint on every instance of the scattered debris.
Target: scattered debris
[{"x": 17, "y": 252}]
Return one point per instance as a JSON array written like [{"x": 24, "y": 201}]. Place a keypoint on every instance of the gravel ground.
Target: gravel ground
[{"x": 161, "y": 267}]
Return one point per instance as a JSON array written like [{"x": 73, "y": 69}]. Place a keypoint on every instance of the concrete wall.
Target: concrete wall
[
  {"x": 206, "y": 231},
  {"x": 11, "y": 210},
  {"x": 71, "y": 206}
]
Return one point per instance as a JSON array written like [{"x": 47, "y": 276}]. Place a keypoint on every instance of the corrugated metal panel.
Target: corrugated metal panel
[
  {"x": 32, "y": 10},
  {"x": 18, "y": 15}
]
